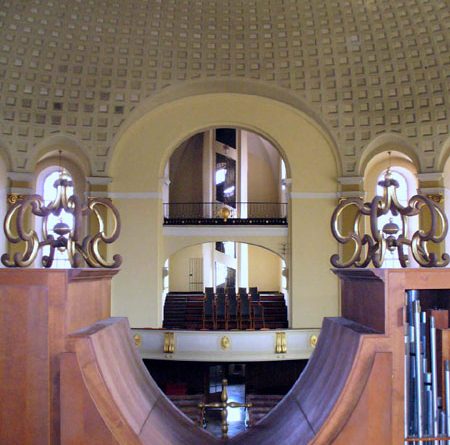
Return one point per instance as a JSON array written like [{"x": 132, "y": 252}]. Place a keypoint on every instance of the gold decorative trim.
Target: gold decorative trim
[
  {"x": 137, "y": 340},
  {"x": 225, "y": 342},
  {"x": 313, "y": 341},
  {"x": 435, "y": 197},
  {"x": 169, "y": 342},
  {"x": 280, "y": 343},
  {"x": 14, "y": 197}
]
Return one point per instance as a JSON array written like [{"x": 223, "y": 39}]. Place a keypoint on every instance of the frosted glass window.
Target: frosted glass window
[
  {"x": 403, "y": 194},
  {"x": 49, "y": 194}
]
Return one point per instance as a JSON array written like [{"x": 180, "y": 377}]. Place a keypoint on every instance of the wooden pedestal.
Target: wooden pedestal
[{"x": 38, "y": 309}]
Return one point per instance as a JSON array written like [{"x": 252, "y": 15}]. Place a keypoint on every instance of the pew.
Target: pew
[{"x": 261, "y": 404}]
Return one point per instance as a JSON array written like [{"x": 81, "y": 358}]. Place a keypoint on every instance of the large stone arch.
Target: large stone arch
[
  {"x": 138, "y": 161},
  {"x": 388, "y": 142},
  {"x": 72, "y": 150},
  {"x": 236, "y": 87},
  {"x": 443, "y": 163}
]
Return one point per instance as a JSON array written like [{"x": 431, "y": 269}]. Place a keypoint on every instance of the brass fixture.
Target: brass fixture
[
  {"x": 137, "y": 340},
  {"x": 225, "y": 342},
  {"x": 372, "y": 247},
  {"x": 280, "y": 343},
  {"x": 224, "y": 213},
  {"x": 169, "y": 342},
  {"x": 222, "y": 406},
  {"x": 63, "y": 238},
  {"x": 313, "y": 341}
]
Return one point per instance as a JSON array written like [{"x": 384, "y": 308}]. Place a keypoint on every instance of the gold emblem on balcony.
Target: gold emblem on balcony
[
  {"x": 137, "y": 340},
  {"x": 169, "y": 342},
  {"x": 280, "y": 343},
  {"x": 224, "y": 213},
  {"x": 225, "y": 342}
]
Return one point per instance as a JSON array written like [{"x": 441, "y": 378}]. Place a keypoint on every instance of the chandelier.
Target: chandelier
[
  {"x": 61, "y": 236},
  {"x": 391, "y": 237}
]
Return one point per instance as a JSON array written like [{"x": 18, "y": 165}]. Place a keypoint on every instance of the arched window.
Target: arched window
[
  {"x": 407, "y": 188},
  {"x": 47, "y": 190}
]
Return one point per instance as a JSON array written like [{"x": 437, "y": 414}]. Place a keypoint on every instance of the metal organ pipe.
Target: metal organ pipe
[
  {"x": 425, "y": 417},
  {"x": 419, "y": 369}
]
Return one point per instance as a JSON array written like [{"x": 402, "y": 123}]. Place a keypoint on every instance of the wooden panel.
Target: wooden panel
[
  {"x": 123, "y": 392},
  {"x": 88, "y": 298},
  {"x": 80, "y": 418},
  {"x": 370, "y": 422},
  {"x": 363, "y": 299},
  {"x": 72, "y": 299},
  {"x": 440, "y": 317},
  {"x": 24, "y": 376},
  {"x": 443, "y": 353}
]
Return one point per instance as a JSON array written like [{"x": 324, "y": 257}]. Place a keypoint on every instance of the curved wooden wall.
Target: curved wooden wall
[{"x": 135, "y": 411}]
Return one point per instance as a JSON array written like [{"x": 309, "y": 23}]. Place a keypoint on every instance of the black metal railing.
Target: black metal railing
[{"x": 225, "y": 213}]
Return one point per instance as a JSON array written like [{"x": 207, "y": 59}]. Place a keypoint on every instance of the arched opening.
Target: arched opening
[
  {"x": 55, "y": 164},
  {"x": 311, "y": 168},
  {"x": 225, "y": 173},
  {"x": 46, "y": 188},
  {"x": 404, "y": 172}
]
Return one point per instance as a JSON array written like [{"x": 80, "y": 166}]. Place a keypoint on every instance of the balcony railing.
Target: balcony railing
[{"x": 219, "y": 213}]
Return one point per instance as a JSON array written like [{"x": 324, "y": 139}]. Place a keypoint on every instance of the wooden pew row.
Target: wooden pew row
[
  {"x": 188, "y": 405},
  {"x": 184, "y": 310},
  {"x": 328, "y": 404},
  {"x": 262, "y": 404}
]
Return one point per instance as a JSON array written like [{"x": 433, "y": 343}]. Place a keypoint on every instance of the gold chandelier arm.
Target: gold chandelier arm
[
  {"x": 391, "y": 237},
  {"x": 16, "y": 216},
  {"x": 63, "y": 236},
  {"x": 352, "y": 237},
  {"x": 421, "y": 238},
  {"x": 91, "y": 244}
]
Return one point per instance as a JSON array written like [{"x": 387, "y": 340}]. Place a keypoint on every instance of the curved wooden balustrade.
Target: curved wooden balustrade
[{"x": 346, "y": 370}]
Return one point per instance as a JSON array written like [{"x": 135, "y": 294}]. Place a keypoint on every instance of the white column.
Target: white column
[
  {"x": 242, "y": 179},
  {"x": 242, "y": 265},
  {"x": 208, "y": 264},
  {"x": 208, "y": 171}
]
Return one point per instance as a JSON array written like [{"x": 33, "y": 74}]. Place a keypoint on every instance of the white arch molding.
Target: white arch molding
[
  {"x": 139, "y": 158},
  {"x": 230, "y": 86}
]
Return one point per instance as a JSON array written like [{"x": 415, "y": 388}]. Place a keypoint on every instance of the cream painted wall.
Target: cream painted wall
[
  {"x": 264, "y": 269},
  {"x": 261, "y": 181},
  {"x": 263, "y": 177},
  {"x": 137, "y": 289},
  {"x": 313, "y": 293},
  {"x": 179, "y": 267},
  {"x": 185, "y": 171},
  {"x": 311, "y": 165}
]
